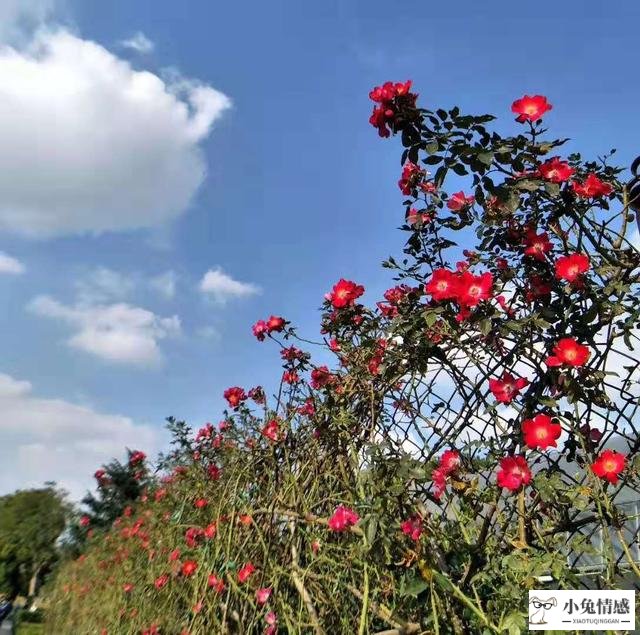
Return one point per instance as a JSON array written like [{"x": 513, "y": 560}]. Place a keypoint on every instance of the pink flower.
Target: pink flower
[
  {"x": 412, "y": 527},
  {"x": 530, "y": 108},
  {"x": 344, "y": 293},
  {"x": 263, "y": 595},
  {"x": 513, "y": 473},
  {"x": 272, "y": 621},
  {"x": 507, "y": 388},
  {"x": 245, "y": 572},
  {"x": 449, "y": 461},
  {"x": 215, "y": 583},
  {"x": 260, "y": 330},
  {"x": 343, "y": 518},
  {"x": 592, "y": 187},
  {"x": 235, "y": 396},
  {"x": 136, "y": 457},
  {"x": 459, "y": 200},
  {"x": 271, "y": 430},
  {"x": 161, "y": 581}
]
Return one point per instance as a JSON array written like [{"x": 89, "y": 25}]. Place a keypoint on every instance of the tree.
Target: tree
[
  {"x": 118, "y": 486},
  {"x": 31, "y": 521}
]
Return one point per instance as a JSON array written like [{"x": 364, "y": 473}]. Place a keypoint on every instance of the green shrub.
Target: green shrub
[{"x": 480, "y": 421}]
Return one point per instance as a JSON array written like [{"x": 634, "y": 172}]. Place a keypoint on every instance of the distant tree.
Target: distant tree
[
  {"x": 118, "y": 485},
  {"x": 31, "y": 521}
]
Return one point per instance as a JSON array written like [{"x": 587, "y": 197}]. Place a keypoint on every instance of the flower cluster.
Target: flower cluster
[
  {"x": 393, "y": 100},
  {"x": 262, "y": 328}
]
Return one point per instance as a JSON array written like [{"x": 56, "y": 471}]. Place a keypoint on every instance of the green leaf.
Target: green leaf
[
  {"x": 431, "y": 147},
  {"x": 372, "y": 529},
  {"x": 415, "y": 587},
  {"x": 552, "y": 189}
]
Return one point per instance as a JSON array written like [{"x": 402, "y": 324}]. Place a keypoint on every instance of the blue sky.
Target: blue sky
[{"x": 298, "y": 191}]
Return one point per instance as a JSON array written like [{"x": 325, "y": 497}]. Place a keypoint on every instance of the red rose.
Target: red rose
[
  {"x": 449, "y": 461},
  {"x": 260, "y": 330},
  {"x": 136, "y": 457},
  {"x": 290, "y": 377},
  {"x": 344, "y": 293},
  {"x": 568, "y": 351},
  {"x": 307, "y": 409},
  {"x": 275, "y": 323},
  {"x": 443, "y": 285},
  {"x": 215, "y": 583},
  {"x": 85, "y": 521},
  {"x": 271, "y": 430},
  {"x": 210, "y": 531},
  {"x": 189, "y": 567},
  {"x": 556, "y": 171},
  {"x": 513, "y": 473},
  {"x": 540, "y": 432},
  {"x": 200, "y": 503},
  {"x": 161, "y": 581},
  {"x": 393, "y": 99},
  {"x": 473, "y": 289},
  {"x": 537, "y": 288},
  {"x": 458, "y": 201},
  {"x": 343, "y": 518},
  {"x": 234, "y": 396},
  {"x": 608, "y": 465},
  {"x": 530, "y": 108},
  {"x": 571, "y": 267},
  {"x": 321, "y": 377},
  {"x": 507, "y": 388},
  {"x": 263, "y": 595},
  {"x": 537, "y": 245},
  {"x": 192, "y": 536},
  {"x": 292, "y": 354},
  {"x": 245, "y": 572},
  {"x": 412, "y": 175},
  {"x": 257, "y": 394},
  {"x": 412, "y": 527},
  {"x": 439, "y": 478},
  {"x": 592, "y": 187}
]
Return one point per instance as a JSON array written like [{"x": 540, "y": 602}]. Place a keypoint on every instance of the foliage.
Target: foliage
[
  {"x": 31, "y": 521},
  {"x": 118, "y": 486},
  {"x": 455, "y": 455}
]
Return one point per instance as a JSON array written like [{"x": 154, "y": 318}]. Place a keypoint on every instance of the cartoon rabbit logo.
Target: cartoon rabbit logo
[{"x": 539, "y": 609}]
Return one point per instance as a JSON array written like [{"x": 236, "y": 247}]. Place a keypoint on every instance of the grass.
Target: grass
[{"x": 30, "y": 629}]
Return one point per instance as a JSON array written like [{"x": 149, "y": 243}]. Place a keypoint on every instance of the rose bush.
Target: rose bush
[{"x": 458, "y": 453}]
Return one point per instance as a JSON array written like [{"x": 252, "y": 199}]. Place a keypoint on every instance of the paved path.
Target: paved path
[{"x": 6, "y": 628}]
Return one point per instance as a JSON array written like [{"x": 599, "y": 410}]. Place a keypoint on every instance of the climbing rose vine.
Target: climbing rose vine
[{"x": 478, "y": 426}]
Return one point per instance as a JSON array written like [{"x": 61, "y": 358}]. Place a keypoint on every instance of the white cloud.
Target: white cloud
[
  {"x": 53, "y": 439},
  {"x": 118, "y": 333},
  {"x": 165, "y": 284},
  {"x": 221, "y": 287},
  {"x": 91, "y": 145},
  {"x": 102, "y": 285},
  {"x": 139, "y": 43},
  {"x": 208, "y": 333},
  {"x": 8, "y": 264},
  {"x": 19, "y": 17}
]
